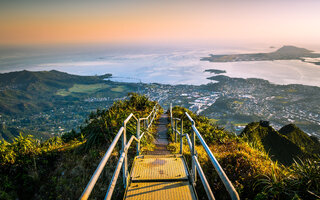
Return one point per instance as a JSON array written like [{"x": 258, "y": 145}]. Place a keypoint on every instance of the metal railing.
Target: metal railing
[
  {"x": 195, "y": 165},
  {"x": 123, "y": 161}
]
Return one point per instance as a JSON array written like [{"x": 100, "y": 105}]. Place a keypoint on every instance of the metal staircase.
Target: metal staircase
[{"x": 159, "y": 176}]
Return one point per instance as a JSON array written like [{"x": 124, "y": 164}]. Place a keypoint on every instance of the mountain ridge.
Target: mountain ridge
[
  {"x": 285, "y": 145},
  {"x": 61, "y": 167}
]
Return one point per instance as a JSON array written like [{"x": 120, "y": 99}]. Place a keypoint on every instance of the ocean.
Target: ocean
[{"x": 156, "y": 65}]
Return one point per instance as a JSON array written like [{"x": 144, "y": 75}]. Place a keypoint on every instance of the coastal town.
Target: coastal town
[{"x": 230, "y": 102}]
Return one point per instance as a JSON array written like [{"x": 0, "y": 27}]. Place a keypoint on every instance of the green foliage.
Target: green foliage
[
  {"x": 247, "y": 165},
  {"x": 51, "y": 144},
  {"x": 279, "y": 146},
  {"x": 58, "y": 168},
  {"x": 297, "y": 136},
  {"x": 284, "y": 145},
  {"x": 68, "y": 136},
  {"x": 103, "y": 125},
  {"x": 300, "y": 181},
  {"x": 24, "y": 162},
  {"x": 33, "y": 90},
  {"x": 6, "y": 153},
  {"x": 20, "y": 150},
  {"x": 307, "y": 180},
  {"x": 213, "y": 133},
  {"x": 275, "y": 184}
]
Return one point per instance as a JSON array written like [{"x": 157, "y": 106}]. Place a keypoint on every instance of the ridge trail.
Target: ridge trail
[
  {"x": 161, "y": 140},
  {"x": 159, "y": 174}
]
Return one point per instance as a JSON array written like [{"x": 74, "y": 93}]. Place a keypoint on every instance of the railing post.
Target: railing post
[
  {"x": 181, "y": 141},
  {"x": 175, "y": 131},
  {"x": 125, "y": 164},
  {"x": 138, "y": 136},
  {"x": 193, "y": 153}
]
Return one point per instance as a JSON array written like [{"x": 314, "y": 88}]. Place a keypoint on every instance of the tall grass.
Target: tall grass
[
  {"x": 248, "y": 166},
  {"x": 60, "y": 168}
]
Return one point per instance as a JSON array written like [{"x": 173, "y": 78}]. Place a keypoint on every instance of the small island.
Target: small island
[
  {"x": 215, "y": 71},
  {"x": 284, "y": 53}
]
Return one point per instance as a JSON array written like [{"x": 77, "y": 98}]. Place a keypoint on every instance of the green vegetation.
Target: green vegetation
[
  {"x": 102, "y": 125},
  {"x": 118, "y": 89},
  {"x": 238, "y": 102},
  {"x": 262, "y": 100},
  {"x": 60, "y": 168},
  {"x": 26, "y": 164},
  {"x": 29, "y": 92},
  {"x": 308, "y": 144},
  {"x": 279, "y": 97},
  {"x": 82, "y": 88},
  {"x": 291, "y": 90},
  {"x": 286, "y": 145},
  {"x": 249, "y": 167},
  {"x": 37, "y": 102}
]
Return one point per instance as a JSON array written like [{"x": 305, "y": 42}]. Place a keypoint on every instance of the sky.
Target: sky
[{"x": 159, "y": 22}]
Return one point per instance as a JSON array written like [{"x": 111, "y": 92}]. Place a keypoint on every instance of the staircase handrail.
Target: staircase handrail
[
  {"x": 122, "y": 162},
  {"x": 196, "y": 167}
]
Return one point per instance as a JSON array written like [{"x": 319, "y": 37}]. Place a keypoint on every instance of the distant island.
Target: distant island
[
  {"x": 215, "y": 71},
  {"x": 284, "y": 53}
]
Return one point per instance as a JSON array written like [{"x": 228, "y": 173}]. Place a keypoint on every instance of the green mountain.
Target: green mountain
[
  {"x": 49, "y": 102},
  {"x": 297, "y": 136},
  {"x": 285, "y": 145},
  {"x": 24, "y": 91}
]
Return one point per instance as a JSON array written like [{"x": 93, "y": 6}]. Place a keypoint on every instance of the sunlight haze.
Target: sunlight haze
[{"x": 158, "y": 22}]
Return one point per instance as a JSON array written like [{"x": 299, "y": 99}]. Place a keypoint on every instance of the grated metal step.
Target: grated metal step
[
  {"x": 160, "y": 177},
  {"x": 160, "y": 190},
  {"x": 159, "y": 168}
]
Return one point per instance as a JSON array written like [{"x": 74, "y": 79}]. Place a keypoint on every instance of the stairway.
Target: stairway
[
  {"x": 160, "y": 174},
  {"x": 161, "y": 142}
]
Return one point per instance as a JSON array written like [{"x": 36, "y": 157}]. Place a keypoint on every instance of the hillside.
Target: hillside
[
  {"x": 292, "y": 50},
  {"x": 252, "y": 170},
  {"x": 53, "y": 78},
  {"x": 25, "y": 92},
  {"x": 59, "y": 168},
  {"x": 285, "y": 145},
  {"x": 247, "y": 100},
  {"x": 307, "y": 143},
  {"x": 51, "y": 102},
  {"x": 232, "y": 101}
]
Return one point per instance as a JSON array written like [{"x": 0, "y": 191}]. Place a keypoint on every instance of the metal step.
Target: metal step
[
  {"x": 159, "y": 168},
  {"x": 160, "y": 190},
  {"x": 160, "y": 177}
]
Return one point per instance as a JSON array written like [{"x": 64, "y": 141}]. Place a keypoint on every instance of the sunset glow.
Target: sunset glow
[{"x": 37, "y": 22}]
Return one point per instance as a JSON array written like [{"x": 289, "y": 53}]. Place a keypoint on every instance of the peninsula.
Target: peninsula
[{"x": 284, "y": 53}]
